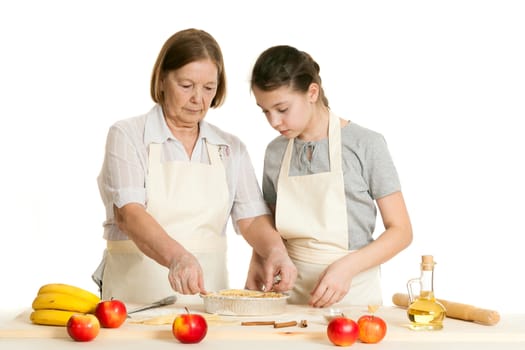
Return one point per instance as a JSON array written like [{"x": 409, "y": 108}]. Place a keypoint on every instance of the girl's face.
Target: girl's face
[
  {"x": 288, "y": 111},
  {"x": 188, "y": 92}
]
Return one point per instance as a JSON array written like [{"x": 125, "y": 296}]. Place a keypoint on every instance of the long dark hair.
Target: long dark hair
[{"x": 284, "y": 65}]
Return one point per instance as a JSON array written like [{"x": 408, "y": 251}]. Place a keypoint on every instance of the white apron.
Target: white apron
[
  {"x": 311, "y": 216},
  {"x": 190, "y": 201}
]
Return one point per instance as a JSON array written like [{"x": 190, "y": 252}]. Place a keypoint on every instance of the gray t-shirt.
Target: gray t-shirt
[{"x": 369, "y": 174}]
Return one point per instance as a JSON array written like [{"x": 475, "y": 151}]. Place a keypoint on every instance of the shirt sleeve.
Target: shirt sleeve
[
  {"x": 270, "y": 175},
  {"x": 248, "y": 200},
  {"x": 123, "y": 179},
  {"x": 380, "y": 171}
]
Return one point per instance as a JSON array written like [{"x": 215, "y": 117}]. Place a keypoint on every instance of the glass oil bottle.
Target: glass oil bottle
[{"x": 424, "y": 311}]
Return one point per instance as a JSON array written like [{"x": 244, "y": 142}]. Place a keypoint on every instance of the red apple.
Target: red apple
[
  {"x": 342, "y": 331},
  {"x": 83, "y": 327},
  {"x": 111, "y": 313},
  {"x": 372, "y": 329},
  {"x": 189, "y": 328}
]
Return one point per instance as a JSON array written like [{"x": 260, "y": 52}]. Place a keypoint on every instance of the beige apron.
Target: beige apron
[
  {"x": 311, "y": 217},
  {"x": 190, "y": 201}
]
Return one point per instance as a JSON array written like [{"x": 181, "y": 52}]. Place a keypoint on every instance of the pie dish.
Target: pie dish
[{"x": 244, "y": 302}]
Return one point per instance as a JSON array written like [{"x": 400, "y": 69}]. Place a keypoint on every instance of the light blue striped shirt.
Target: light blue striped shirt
[{"x": 123, "y": 175}]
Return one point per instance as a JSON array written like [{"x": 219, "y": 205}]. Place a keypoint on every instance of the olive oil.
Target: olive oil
[{"x": 424, "y": 311}]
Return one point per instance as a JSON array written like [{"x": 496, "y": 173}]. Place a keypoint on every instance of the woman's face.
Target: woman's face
[
  {"x": 288, "y": 111},
  {"x": 188, "y": 92}
]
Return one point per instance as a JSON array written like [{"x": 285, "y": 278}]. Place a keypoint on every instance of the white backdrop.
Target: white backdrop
[{"x": 444, "y": 82}]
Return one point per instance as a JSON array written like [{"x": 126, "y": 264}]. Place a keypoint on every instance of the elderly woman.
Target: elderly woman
[{"x": 170, "y": 181}]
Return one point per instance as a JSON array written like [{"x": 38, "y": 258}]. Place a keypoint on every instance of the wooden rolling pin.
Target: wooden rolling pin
[{"x": 457, "y": 310}]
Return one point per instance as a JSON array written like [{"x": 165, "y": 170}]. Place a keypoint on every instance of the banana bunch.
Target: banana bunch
[{"x": 56, "y": 302}]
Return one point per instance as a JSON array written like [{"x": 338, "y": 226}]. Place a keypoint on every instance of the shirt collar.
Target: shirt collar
[{"x": 156, "y": 130}]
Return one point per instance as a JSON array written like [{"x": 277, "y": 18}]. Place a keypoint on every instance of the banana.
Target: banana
[
  {"x": 51, "y": 317},
  {"x": 61, "y": 301},
  {"x": 69, "y": 289}
]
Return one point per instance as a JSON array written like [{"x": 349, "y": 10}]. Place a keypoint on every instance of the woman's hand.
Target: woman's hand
[
  {"x": 185, "y": 273},
  {"x": 186, "y": 276}
]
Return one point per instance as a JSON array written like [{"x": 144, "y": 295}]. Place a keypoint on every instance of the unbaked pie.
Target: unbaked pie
[{"x": 246, "y": 293}]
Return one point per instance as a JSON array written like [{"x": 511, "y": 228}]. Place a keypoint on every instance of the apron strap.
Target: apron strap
[
  {"x": 334, "y": 144},
  {"x": 212, "y": 243},
  {"x": 324, "y": 254}
]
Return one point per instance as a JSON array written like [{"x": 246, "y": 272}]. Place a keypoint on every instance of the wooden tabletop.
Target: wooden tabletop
[{"x": 227, "y": 331}]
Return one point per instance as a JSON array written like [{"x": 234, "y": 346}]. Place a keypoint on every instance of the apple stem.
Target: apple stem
[{"x": 186, "y": 308}]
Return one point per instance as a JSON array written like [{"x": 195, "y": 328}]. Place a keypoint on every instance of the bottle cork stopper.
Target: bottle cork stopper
[{"x": 427, "y": 262}]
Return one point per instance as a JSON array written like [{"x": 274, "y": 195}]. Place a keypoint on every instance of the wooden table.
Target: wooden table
[{"x": 226, "y": 332}]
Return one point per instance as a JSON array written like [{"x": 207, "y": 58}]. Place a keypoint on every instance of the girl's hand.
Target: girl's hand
[
  {"x": 276, "y": 273},
  {"x": 255, "y": 278},
  {"x": 334, "y": 283}
]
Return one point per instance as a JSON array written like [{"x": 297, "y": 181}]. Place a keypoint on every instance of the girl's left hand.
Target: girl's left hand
[{"x": 334, "y": 283}]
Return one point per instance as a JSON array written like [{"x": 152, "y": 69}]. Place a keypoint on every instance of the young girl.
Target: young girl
[{"x": 323, "y": 177}]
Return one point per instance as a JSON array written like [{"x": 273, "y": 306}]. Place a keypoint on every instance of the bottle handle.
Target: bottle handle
[{"x": 411, "y": 294}]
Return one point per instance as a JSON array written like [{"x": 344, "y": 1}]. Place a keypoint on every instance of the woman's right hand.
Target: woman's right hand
[{"x": 185, "y": 275}]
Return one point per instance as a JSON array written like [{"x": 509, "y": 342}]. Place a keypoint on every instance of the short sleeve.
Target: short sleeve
[
  {"x": 379, "y": 169},
  {"x": 248, "y": 200},
  {"x": 123, "y": 176},
  {"x": 272, "y": 167}
]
